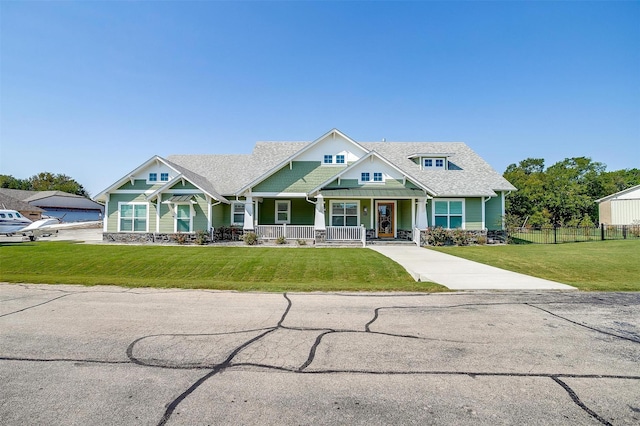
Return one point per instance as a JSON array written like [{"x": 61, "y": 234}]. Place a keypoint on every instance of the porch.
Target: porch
[{"x": 331, "y": 234}]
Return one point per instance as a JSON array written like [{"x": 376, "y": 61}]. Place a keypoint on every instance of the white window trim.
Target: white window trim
[
  {"x": 121, "y": 203},
  {"x": 433, "y": 166},
  {"x": 326, "y": 163},
  {"x": 192, "y": 213},
  {"x": 152, "y": 182},
  {"x": 332, "y": 202},
  {"x": 233, "y": 209},
  {"x": 371, "y": 179},
  {"x": 335, "y": 159},
  {"x": 288, "y": 220},
  {"x": 168, "y": 177},
  {"x": 464, "y": 209}
]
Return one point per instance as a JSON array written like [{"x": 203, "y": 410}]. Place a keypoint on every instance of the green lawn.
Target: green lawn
[
  {"x": 222, "y": 268},
  {"x": 598, "y": 265}
]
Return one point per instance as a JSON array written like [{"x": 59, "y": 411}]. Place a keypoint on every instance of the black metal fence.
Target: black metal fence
[{"x": 568, "y": 234}]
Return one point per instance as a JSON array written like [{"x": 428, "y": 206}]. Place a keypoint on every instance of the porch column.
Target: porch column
[
  {"x": 318, "y": 221},
  {"x": 248, "y": 214},
  {"x": 413, "y": 214},
  {"x": 421, "y": 222},
  {"x": 105, "y": 216},
  {"x": 158, "y": 215}
]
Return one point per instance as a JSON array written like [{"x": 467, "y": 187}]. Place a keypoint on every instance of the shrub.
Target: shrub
[
  {"x": 250, "y": 238},
  {"x": 180, "y": 238},
  {"x": 481, "y": 240},
  {"x": 302, "y": 242},
  {"x": 202, "y": 237},
  {"x": 460, "y": 237},
  {"x": 281, "y": 240},
  {"x": 437, "y": 236}
]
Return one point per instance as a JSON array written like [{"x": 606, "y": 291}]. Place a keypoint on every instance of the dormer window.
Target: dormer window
[
  {"x": 377, "y": 177},
  {"x": 340, "y": 159},
  {"x": 433, "y": 163},
  {"x": 153, "y": 177},
  {"x": 328, "y": 159},
  {"x": 365, "y": 177},
  {"x": 164, "y": 177}
]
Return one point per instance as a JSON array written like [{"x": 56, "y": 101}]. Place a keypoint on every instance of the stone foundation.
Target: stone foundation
[
  {"x": 404, "y": 234},
  {"x": 155, "y": 238}
]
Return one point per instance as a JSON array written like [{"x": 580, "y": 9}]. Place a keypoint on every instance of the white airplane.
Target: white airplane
[{"x": 12, "y": 222}]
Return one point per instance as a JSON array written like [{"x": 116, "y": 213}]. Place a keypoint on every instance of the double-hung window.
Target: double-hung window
[
  {"x": 377, "y": 177},
  {"x": 183, "y": 218},
  {"x": 133, "y": 217},
  {"x": 164, "y": 177},
  {"x": 345, "y": 213},
  {"x": 153, "y": 177},
  {"x": 448, "y": 214},
  {"x": 365, "y": 177},
  {"x": 283, "y": 211},
  {"x": 328, "y": 159},
  {"x": 340, "y": 159},
  {"x": 237, "y": 212}
]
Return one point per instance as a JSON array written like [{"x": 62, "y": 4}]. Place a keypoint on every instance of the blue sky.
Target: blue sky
[{"x": 93, "y": 89}]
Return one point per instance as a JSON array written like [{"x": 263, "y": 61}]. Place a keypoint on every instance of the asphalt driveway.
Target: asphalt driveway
[{"x": 108, "y": 355}]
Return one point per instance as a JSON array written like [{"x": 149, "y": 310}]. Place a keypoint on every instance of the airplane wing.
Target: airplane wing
[{"x": 51, "y": 225}]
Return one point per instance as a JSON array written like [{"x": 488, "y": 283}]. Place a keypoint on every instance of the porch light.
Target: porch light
[{"x": 364, "y": 210}]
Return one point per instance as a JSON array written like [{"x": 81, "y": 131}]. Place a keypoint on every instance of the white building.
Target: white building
[{"x": 621, "y": 208}]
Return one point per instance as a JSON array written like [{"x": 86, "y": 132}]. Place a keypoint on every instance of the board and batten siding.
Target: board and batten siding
[{"x": 625, "y": 212}]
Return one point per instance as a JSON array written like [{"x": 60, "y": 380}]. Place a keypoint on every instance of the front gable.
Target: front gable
[
  {"x": 150, "y": 175},
  {"x": 334, "y": 145},
  {"x": 372, "y": 172}
]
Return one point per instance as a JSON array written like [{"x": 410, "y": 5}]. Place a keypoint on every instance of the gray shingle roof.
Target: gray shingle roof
[
  {"x": 472, "y": 175},
  {"x": 13, "y": 203},
  {"x": 475, "y": 177}
]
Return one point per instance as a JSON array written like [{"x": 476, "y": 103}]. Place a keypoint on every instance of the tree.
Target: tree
[
  {"x": 565, "y": 192},
  {"x": 46, "y": 181},
  {"x": 8, "y": 181},
  {"x": 528, "y": 176}
]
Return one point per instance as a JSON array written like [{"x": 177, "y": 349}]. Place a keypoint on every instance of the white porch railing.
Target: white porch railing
[
  {"x": 347, "y": 233},
  {"x": 307, "y": 232},
  {"x": 289, "y": 232},
  {"x": 416, "y": 236}
]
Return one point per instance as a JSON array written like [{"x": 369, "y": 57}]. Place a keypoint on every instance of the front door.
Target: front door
[{"x": 385, "y": 220}]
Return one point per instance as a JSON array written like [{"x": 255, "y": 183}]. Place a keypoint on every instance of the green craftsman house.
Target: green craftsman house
[{"x": 330, "y": 189}]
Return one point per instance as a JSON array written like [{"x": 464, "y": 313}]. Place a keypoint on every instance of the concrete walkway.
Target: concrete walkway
[{"x": 461, "y": 274}]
